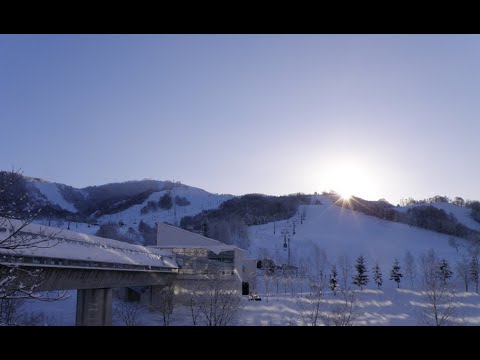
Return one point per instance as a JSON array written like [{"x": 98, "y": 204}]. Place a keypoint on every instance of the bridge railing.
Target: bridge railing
[{"x": 49, "y": 261}]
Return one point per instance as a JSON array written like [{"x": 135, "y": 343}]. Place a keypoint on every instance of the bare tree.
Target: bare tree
[
  {"x": 267, "y": 278},
  {"x": 345, "y": 269},
  {"x": 410, "y": 266},
  {"x": 343, "y": 312},
  {"x": 37, "y": 318},
  {"x": 319, "y": 266},
  {"x": 463, "y": 271},
  {"x": 474, "y": 270},
  {"x": 166, "y": 302},
  {"x": 277, "y": 278},
  {"x": 302, "y": 272},
  {"x": 439, "y": 301},
  {"x": 16, "y": 214},
  {"x": 128, "y": 312},
  {"x": 311, "y": 307},
  {"x": 218, "y": 302},
  {"x": 193, "y": 298},
  {"x": 453, "y": 243},
  {"x": 10, "y": 311}
]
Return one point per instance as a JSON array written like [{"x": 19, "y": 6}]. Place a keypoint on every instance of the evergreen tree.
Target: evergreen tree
[
  {"x": 377, "y": 275},
  {"x": 166, "y": 202},
  {"x": 474, "y": 271},
  {"x": 205, "y": 228},
  {"x": 395, "y": 274},
  {"x": 333, "y": 283},
  {"x": 361, "y": 278},
  {"x": 444, "y": 272}
]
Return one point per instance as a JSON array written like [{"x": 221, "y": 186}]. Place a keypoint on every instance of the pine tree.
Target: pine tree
[
  {"x": 474, "y": 271},
  {"x": 361, "y": 278},
  {"x": 395, "y": 274},
  {"x": 444, "y": 272},
  {"x": 377, "y": 275},
  {"x": 205, "y": 228},
  {"x": 333, "y": 283}
]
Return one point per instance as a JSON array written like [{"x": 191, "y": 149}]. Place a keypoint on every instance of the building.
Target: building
[{"x": 200, "y": 258}]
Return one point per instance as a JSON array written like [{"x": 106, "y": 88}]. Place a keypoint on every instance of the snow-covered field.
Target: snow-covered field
[{"x": 391, "y": 306}]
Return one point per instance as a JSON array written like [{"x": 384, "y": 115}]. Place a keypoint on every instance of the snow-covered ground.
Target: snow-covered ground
[
  {"x": 52, "y": 193},
  {"x": 390, "y": 306}
]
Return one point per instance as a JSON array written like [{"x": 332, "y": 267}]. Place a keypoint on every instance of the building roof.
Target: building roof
[
  {"x": 67, "y": 244},
  {"x": 169, "y": 236}
]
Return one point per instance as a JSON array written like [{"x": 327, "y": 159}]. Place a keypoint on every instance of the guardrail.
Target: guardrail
[{"x": 59, "y": 262}]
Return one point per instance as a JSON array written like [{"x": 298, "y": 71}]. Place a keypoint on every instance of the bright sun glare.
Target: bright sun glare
[{"x": 349, "y": 179}]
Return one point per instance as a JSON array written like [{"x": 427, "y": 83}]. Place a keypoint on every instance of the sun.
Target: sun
[{"x": 349, "y": 178}]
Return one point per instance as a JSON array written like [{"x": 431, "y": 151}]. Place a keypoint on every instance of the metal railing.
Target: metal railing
[{"x": 60, "y": 262}]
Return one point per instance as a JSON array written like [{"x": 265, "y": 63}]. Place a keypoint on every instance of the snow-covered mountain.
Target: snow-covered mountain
[
  {"x": 197, "y": 201},
  {"x": 135, "y": 207},
  {"x": 51, "y": 192},
  {"x": 127, "y": 203}
]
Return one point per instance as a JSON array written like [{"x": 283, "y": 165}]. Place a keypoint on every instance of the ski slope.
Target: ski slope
[
  {"x": 199, "y": 200},
  {"x": 341, "y": 231},
  {"x": 53, "y": 195}
]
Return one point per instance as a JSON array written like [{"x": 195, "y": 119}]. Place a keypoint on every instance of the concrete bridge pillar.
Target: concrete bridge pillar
[
  {"x": 94, "y": 307},
  {"x": 155, "y": 295}
]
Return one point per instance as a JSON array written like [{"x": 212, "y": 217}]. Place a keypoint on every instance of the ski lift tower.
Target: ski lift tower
[{"x": 289, "y": 252}]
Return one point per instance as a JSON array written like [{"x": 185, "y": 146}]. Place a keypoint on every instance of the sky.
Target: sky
[{"x": 376, "y": 116}]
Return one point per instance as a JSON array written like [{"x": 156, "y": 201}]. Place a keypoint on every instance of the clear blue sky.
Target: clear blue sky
[{"x": 377, "y": 115}]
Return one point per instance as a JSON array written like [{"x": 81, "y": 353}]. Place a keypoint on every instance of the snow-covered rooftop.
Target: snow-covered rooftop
[
  {"x": 173, "y": 237},
  {"x": 72, "y": 245}
]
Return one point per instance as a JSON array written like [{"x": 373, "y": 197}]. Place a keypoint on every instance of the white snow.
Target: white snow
[
  {"x": 391, "y": 306},
  {"x": 199, "y": 200},
  {"x": 341, "y": 231},
  {"x": 52, "y": 193}
]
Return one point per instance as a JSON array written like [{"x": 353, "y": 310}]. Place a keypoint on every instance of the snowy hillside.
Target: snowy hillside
[
  {"x": 199, "y": 200},
  {"x": 53, "y": 195},
  {"x": 461, "y": 213},
  {"x": 342, "y": 231}
]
